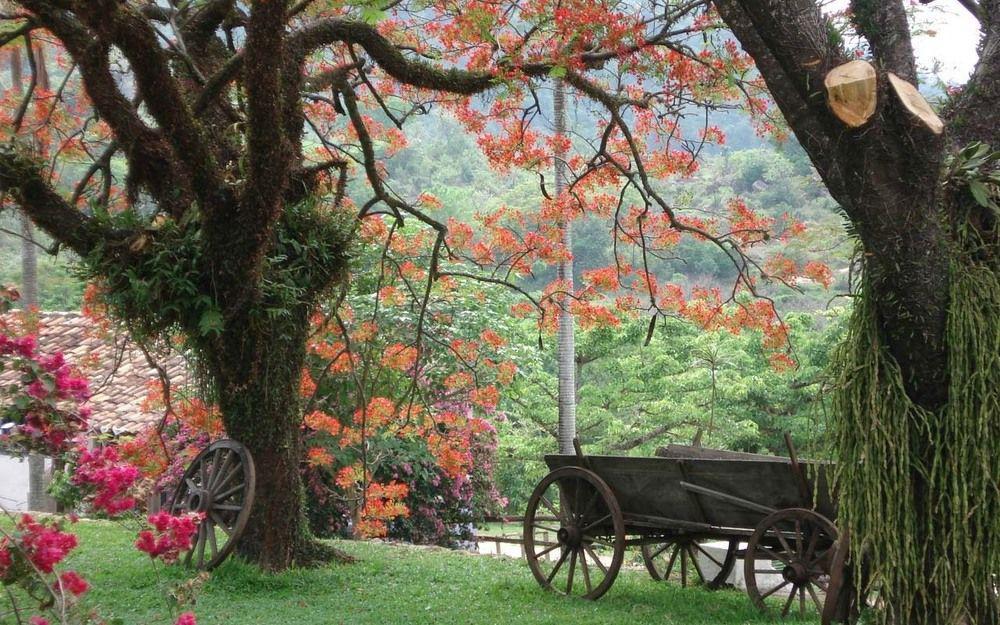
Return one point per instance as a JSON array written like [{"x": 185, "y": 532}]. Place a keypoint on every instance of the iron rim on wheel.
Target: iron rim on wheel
[
  {"x": 572, "y": 522},
  {"x": 798, "y": 545},
  {"x": 670, "y": 558},
  {"x": 218, "y": 483}
]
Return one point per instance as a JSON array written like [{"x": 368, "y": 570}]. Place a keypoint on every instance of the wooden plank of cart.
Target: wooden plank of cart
[{"x": 671, "y": 505}]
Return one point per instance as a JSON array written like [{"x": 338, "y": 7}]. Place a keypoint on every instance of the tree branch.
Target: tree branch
[
  {"x": 393, "y": 62},
  {"x": 117, "y": 23},
  {"x": 975, "y": 114},
  {"x": 25, "y": 181},
  {"x": 883, "y": 24},
  {"x": 152, "y": 162},
  {"x": 803, "y": 107}
]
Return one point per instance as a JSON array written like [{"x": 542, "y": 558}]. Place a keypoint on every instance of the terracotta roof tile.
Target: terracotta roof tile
[{"x": 119, "y": 374}]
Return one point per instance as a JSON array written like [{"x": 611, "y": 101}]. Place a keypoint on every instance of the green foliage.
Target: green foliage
[
  {"x": 158, "y": 280},
  {"x": 971, "y": 169},
  {"x": 634, "y": 398},
  {"x": 918, "y": 488},
  {"x": 160, "y": 291},
  {"x": 58, "y": 287}
]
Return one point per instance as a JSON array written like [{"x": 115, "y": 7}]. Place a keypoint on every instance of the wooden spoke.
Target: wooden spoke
[
  {"x": 575, "y": 510},
  {"x": 234, "y": 472},
  {"x": 213, "y": 541},
  {"x": 707, "y": 554},
  {"x": 550, "y": 549},
  {"x": 220, "y": 523},
  {"x": 599, "y": 541},
  {"x": 202, "y": 539},
  {"x": 585, "y": 570},
  {"x": 788, "y": 603},
  {"x": 555, "y": 569},
  {"x": 773, "y": 555},
  {"x": 811, "y": 550},
  {"x": 572, "y": 569},
  {"x": 552, "y": 509},
  {"x": 662, "y": 549},
  {"x": 694, "y": 561},
  {"x": 601, "y": 521},
  {"x": 670, "y": 564},
  {"x": 798, "y": 538},
  {"x": 545, "y": 527},
  {"x": 815, "y": 597},
  {"x": 220, "y": 462},
  {"x": 684, "y": 567},
  {"x": 231, "y": 491},
  {"x": 784, "y": 543},
  {"x": 775, "y": 589},
  {"x": 596, "y": 559}
]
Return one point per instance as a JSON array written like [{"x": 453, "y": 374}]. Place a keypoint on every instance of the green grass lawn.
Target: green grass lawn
[{"x": 389, "y": 584}]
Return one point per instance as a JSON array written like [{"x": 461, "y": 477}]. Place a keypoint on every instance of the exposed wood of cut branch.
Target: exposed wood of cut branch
[
  {"x": 916, "y": 104},
  {"x": 851, "y": 92}
]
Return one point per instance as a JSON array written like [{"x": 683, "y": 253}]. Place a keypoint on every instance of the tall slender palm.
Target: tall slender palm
[
  {"x": 29, "y": 285},
  {"x": 566, "y": 338}
]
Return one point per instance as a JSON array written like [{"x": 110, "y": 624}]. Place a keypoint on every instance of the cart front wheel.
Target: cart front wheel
[
  {"x": 574, "y": 533},
  {"x": 788, "y": 560},
  {"x": 674, "y": 558}
]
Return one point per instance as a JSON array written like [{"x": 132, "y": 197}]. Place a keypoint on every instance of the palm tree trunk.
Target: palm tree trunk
[{"x": 566, "y": 338}]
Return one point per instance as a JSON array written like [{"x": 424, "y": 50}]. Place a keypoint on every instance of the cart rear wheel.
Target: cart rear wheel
[
  {"x": 673, "y": 559},
  {"x": 574, "y": 533},
  {"x": 840, "y": 605},
  {"x": 845, "y": 601},
  {"x": 219, "y": 483},
  {"x": 788, "y": 560}
]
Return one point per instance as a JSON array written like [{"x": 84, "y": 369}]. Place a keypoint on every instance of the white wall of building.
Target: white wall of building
[{"x": 13, "y": 483}]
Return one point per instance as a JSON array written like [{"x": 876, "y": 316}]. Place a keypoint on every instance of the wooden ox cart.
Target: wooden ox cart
[{"x": 774, "y": 513}]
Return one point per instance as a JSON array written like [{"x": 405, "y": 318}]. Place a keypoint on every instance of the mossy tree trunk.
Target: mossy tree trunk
[
  {"x": 915, "y": 417},
  {"x": 257, "y": 372}
]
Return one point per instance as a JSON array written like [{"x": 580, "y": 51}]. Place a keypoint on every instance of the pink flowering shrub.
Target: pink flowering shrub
[
  {"x": 186, "y": 619},
  {"x": 170, "y": 536},
  {"x": 103, "y": 475},
  {"x": 43, "y": 413},
  {"x": 28, "y": 557}
]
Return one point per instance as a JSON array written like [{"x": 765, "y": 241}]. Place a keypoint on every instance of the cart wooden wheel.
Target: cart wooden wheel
[
  {"x": 673, "y": 557},
  {"x": 574, "y": 533},
  {"x": 790, "y": 552},
  {"x": 218, "y": 483},
  {"x": 839, "y": 606},
  {"x": 844, "y": 599}
]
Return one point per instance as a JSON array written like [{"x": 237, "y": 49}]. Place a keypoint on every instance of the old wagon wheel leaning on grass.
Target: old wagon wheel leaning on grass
[
  {"x": 675, "y": 557},
  {"x": 218, "y": 483},
  {"x": 574, "y": 533},
  {"x": 790, "y": 552}
]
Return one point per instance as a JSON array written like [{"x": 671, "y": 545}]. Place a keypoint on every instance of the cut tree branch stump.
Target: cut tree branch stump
[
  {"x": 851, "y": 91},
  {"x": 916, "y": 104}
]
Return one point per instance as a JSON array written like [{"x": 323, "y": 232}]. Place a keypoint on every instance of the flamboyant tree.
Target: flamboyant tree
[
  {"x": 917, "y": 401},
  {"x": 204, "y": 159}
]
